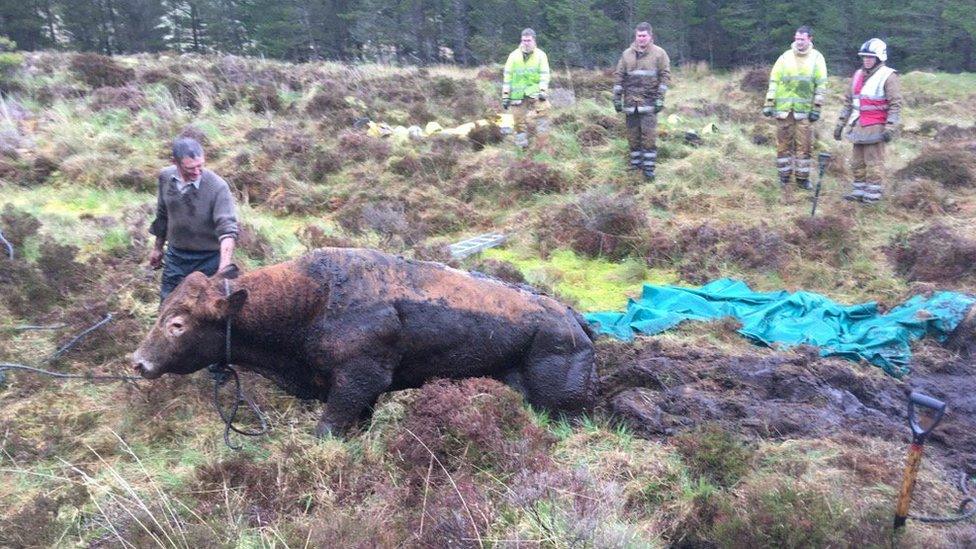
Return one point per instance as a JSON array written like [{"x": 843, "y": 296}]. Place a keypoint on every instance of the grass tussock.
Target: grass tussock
[
  {"x": 99, "y": 71},
  {"x": 934, "y": 254},
  {"x": 82, "y": 138},
  {"x": 952, "y": 165}
]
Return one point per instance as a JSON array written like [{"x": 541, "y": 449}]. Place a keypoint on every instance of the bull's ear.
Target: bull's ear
[
  {"x": 230, "y": 272},
  {"x": 231, "y": 305}
]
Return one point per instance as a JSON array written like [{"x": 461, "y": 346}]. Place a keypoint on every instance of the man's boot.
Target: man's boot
[
  {"x": 784, "y": 167},
  {"x": 802, "y": 173},
  {"x": 635, "y": 159},
  {"x": 650, "y": 157},
  {"x": 857, "y": 192},
  {"x": 872, "y": 193}
]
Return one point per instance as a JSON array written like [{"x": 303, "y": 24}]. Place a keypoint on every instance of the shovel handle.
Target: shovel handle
[
  {"x": 822, "y": 160},
  {"x": 908, "y": 484},
  {"x": 919, "y": 434}
]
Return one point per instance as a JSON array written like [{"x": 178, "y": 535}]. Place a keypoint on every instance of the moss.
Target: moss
[{"x": 593, "y": 284}]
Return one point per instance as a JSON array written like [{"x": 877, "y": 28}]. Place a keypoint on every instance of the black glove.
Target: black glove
[
  {"x": 888, "y": 135},
  {"x": 506, "y": 102},
  {"x": 541, "y": 96},
  {"x": 658, "y": 106},
  {"x": 838, "y": 131},
  {"x": 814, "y": 116},
  {"x": 767, "y": 111}
]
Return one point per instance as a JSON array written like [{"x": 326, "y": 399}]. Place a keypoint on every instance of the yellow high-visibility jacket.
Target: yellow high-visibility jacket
[
  {"x": 797, "y": 83},
  {"x": 525, "y": 75}
]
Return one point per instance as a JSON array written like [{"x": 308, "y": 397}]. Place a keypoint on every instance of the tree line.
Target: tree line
[{"x": 922, "y": 34}]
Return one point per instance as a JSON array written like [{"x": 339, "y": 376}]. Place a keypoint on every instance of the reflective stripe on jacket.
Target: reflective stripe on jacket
[
  {"x": 869, "y": 96},
  {"x": 797, "y": 83},
  {"x": 526, "y": 75}
]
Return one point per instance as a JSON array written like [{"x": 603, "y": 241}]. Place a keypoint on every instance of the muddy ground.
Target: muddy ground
[{"x": 659, "y": 388}]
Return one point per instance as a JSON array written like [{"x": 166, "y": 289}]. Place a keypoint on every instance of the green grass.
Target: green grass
[
  {"x": 593, "y": 284},
  {"x": 597, "y": 485}
]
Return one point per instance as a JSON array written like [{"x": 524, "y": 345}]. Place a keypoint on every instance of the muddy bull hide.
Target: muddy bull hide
[{"x": 345, "y": 325}]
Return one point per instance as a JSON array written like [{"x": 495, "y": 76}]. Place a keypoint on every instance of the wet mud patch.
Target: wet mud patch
[{"x": 663, "y": 389}]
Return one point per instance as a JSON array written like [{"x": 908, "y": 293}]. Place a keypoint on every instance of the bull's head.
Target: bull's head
[{"x": 190, "y": 331}]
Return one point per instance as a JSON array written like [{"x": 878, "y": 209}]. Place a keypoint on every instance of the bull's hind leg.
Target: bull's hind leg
[
  {"x": 559, "y": 372},
  {"x": 356, "y": 385}
]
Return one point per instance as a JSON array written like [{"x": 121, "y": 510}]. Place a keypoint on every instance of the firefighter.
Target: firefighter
[
  {"x": 872, "y": 111},
  {"x": 524, "y": 88},
  {"x": 642, "y": 78},
  {"x": 797, "y": 85}
]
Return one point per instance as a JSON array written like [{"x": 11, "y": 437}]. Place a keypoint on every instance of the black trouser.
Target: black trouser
[{"x": 177, "y": 264}]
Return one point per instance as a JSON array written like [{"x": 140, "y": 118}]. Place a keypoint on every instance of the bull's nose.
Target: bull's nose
[{"x": 144, "y": 368}]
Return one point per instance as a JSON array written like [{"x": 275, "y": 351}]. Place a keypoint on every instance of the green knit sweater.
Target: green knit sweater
[{"x": 197, "y": 218}]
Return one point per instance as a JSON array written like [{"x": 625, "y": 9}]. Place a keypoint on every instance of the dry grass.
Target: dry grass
[{"x": 143, "y": 465}]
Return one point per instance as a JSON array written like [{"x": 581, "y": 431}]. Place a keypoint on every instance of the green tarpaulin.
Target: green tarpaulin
[{"x": 854, "y": 332}]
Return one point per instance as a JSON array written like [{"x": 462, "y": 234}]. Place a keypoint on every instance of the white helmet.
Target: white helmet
[{"x": 874, "y": 47}]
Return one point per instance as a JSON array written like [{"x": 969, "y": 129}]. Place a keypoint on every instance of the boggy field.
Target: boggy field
[{"x": 700, "y": 439}]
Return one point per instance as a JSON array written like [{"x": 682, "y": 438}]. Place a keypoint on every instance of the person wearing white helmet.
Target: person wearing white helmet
[{"x": 872, "y": 111}]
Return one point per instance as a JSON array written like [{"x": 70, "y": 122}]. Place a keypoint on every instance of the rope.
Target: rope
[
  {"x": 961, "y": 513},
  {"x": 57, "y": 354},
  {"x": 221, "y": 372},
  {"x": 10, "y": 247},
  {"x": 10, "y": 366},
  {"x": 4, "y": 366}
]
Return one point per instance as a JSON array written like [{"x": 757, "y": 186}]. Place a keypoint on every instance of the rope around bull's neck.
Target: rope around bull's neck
[{"x": 221, "y": 372}]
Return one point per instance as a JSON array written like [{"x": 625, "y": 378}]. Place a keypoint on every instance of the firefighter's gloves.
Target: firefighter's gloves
[
  {"x": 618, "y": 99},
  {"x": 888, "y": 135},
  {"x": 814, "y": 115},
  {"x": 658, "y": 105}
]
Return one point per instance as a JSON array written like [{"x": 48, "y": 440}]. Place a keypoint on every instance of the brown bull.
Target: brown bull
[{"x": 345, "y": 325}]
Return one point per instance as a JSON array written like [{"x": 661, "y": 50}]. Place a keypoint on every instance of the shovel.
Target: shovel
[
  {"x": 822, "y": 160},
  {"x": 919, "y": 435}
]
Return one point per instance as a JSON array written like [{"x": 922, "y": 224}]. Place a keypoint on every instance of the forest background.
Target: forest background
[{"x": 921, "y": 34}]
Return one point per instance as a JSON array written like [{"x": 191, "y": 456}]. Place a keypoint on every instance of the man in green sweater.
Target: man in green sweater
[{"x": 195, "y": 214}]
